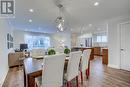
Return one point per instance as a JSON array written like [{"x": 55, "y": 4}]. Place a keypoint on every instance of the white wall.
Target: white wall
[
  {"x": 4, "y": 29},
  {"x": 18, "y": 38},
  {"x": 114, "y": 41},
  {"x": 58, "y": 37},
  {"x": 74, "y": 39}
]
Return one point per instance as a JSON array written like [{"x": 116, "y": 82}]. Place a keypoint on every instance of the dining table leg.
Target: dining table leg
[
  {"x": 24, "y": 79},
  {"x": 24, "y": 75}
]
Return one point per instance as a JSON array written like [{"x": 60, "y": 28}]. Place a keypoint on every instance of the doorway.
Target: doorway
[{"x": 125, "y": 46}]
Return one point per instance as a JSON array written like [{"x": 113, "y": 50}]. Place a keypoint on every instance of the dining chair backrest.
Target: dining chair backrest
[
  {"x": 85, "y": 59},
  {"x": 73, "y": 65},
  {"x": 53, "y": 68},
  {"x": 37, "y": 53}
]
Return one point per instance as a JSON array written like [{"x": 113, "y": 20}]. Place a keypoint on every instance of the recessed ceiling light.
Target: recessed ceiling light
[
  {"x": 31, "y": 10},
  {"x": 30, "y": 20},
  {"x": 96, "y": 3}
]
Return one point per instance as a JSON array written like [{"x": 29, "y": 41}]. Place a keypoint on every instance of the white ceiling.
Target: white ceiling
[{"x": 77, "y": 13}]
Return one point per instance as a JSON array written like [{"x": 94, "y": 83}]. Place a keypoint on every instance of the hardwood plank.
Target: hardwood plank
[{"x": 100, "y": 76}]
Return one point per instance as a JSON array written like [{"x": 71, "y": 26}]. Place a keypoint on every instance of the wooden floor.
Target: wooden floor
[{"x": 100, "y": 76}]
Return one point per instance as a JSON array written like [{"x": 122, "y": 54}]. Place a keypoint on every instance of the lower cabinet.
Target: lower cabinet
[{"x": 105, "y": 56}]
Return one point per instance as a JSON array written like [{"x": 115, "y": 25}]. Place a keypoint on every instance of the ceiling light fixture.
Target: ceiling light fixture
[
  {"x": 59, "y": 20},
  {"x": 96, "y": 3},
  {"x": 30, "y": 20},
  {"x": 31, "y": 10}
]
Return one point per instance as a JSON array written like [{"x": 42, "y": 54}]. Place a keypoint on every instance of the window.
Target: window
[
  {"x": 37, "y": 41},
  {"x": 99, "y": 39},
  {"x": 102, "y": 38}
]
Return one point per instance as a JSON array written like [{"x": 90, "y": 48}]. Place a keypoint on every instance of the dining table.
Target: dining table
[{"x": 33, "y": 68}]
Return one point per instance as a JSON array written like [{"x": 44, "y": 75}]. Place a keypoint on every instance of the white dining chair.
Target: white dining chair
[
  {"x": 73, "y": 67},
  {"x": 53, "y": 68},
  {"x": 38, "y": 53},
  {"x": 85, "y": 63}
]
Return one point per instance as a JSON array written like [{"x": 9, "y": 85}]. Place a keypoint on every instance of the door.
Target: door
[{"x": 125, "y": 46}]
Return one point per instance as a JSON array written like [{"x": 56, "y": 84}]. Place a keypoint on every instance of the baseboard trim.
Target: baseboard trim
[
  {"x": 113, "y": 66},
  {"x": 5, "y": 78}
]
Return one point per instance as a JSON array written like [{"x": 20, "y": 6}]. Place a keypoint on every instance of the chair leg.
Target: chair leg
[
  {"x": 36, "y": 85},
  {"x": 89, "y": 69},
  {"x": 87, "y": 73},
  {"x": 77, "y": 81},
  {"x": 68, "y": 83},
  {"x": 81, "y": 76}
]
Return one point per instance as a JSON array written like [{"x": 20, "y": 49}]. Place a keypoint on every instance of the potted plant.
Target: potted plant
[
  {"x": 51, "y": 52},
  {"x": 67, "y": 51}
]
